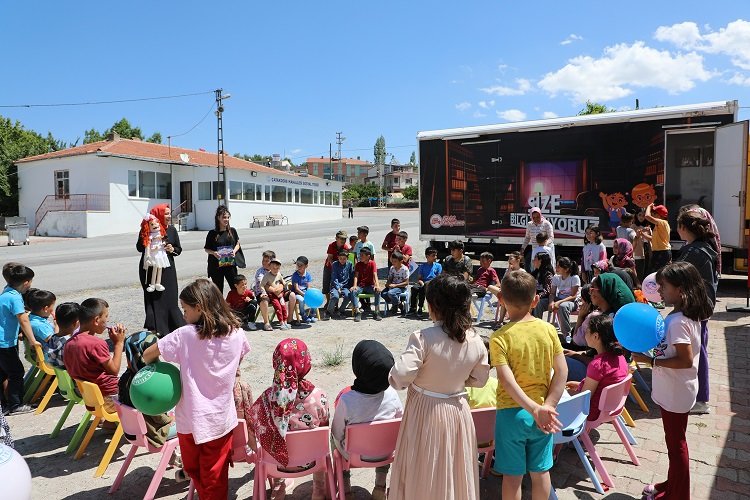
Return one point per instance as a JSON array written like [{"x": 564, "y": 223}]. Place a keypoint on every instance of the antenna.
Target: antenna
[{"x": 185, "y": 157}]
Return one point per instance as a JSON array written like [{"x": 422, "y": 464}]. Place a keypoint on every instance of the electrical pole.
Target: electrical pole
[
  {"x": 220, "y": 167},
  {"x": 339, "y": 140},
  {"x": 330, "y": 161}
]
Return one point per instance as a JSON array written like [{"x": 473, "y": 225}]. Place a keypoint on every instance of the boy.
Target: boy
[
  {"x": 242, "y": 301},
  {"x": 366, "y": 281},
  {"x": 353, "y": 241},
  {"x": 41, "y": 303},
  {"x": 389, "y": 243},
  {"x": 363, "y": 242},
  {"x": 342, "y": 273},
  {"x": 395, "y": 286},
  {"x": 661, "y": 249},
  {"x": 524, "y": 352},
  {"x": 514, "y": 264},
  {"x": 300, "y": 283},
  {"x": 66, "y": 317},
  {"x": 273, "y": 284},
  {"x": 543, "y": 244},
  {"x": 486, "y": 276},
  {"x": 87, "y": 356},
  {"x": 425, "y": 273},
  {"x": 260, "y": 293},
  {"x": 457, "y": 263},
  {"x": 625, "y": 229},
  {"x": 402, "y": 247},
  {"x": 12, "y": 318},
  {"x": 332, "y": 254}
]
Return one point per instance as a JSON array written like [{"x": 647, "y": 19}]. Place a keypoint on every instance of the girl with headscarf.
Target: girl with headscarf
[
  {"x": 292, "y": 403},
  {"x": 371, "y": 398},
  {"x": 162, "y": 313},
  {"x": 623, "y": 254},
  {"x": 537, "y": 224}
]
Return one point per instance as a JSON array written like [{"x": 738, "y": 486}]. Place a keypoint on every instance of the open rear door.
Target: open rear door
[{"x": 730, "y": 170}]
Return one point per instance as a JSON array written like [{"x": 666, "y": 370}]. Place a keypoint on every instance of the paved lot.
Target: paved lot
[{"x": 107, "y": 267}]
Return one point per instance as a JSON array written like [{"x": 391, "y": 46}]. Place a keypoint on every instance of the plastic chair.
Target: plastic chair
[
  {"x": 305, "y": 447},
  {"x": 572, "y": 415},
  {"x": 94, "y": 401},
  {"x": 32, "y": 373},
  {"x": 479, "y": 303},
  {"x": 403, "y": 300},
  {"x": 134, "y": 428},
  {"x": 611, "y": 403},
  {"x": 484, "y": 424},
  {"x": 67, "y": 389},
  {"x": 48, "y": 373},
  {"x": 370, "y": 296},
  {"x": 370, "y": 439},
  {"x": 40, "y": 381}
]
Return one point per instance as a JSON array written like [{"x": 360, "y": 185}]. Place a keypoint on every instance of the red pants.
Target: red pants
[
  {"x": 207, "y": 464},
  {"x": 677, "y": 485},
  {"x": 279, "y": 307}
]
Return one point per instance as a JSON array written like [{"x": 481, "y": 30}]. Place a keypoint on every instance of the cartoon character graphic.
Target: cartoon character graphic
[
  {"x": 643, "y": 195},
  {"x": 614, "y": 204}
]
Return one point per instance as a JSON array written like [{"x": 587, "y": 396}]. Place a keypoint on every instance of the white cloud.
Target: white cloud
[
  {"x": 502, "y": 67},
  {"x": 549, "y": 114},
  {"x": 463, "y": 106},
  {"x": 622, "y": 68},
  {"x": 512, "y": 115},
  {"x": 478, "y": 114},
  {"x": 740, "y": 79},
  {"x": 571, "y": 38},
  {"x": 732, "y": 41},
  {"x": 684, "y": 35},
  {"x": 486, "y": 104},
  {"x": 522, "y": 86},
  {"x": 295, "y": 151}
]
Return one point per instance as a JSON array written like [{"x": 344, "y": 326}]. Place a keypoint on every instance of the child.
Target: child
[
  {"x": 543, "y": 273},
  {"x": 622, "y": 254},
  {"x": 675, "y": 370},
  {"x": 260, "y": 292},
  {"x": 67, "y": 319},
  {"x": 87, "y": 357},
  {"x": 486, "y": 276},
  {"x": 292, "y": 403},
  {"x": 371, "y": 399},
  {"x": 565, "y": 292},
  {"x": 593, "y": 251},
  {"x": 586, "y": 311},
  {"x": 242, "y": 302},
  {"x": 642, "y": 244},
  {"x": 362, "y": 233},
  {"x": 483, "y": 397},
  {"x": 457, "y": 263},
  {"x": 366, "y": 281},
  {"x": 300, "y": 283},
  {"x": 661, "y": 249},
  {"x": 353, "y": 239},
  {"x": 273, "y": 284},
  {"x": 608, "y": 366},
  {"x": 515, "y": 259},
  {"x": 209, "y": 350},
  {"x": 426, "y": 272},
  {"x": 437, "y": 365},
  {"x": 625, "y": 229},
  {"x": 41, "y": 304},
  {"x": 525, "y": 352},
  {"x": 12, "y": 318},
  {"x": 342, "y": 274},
  {"x": 395, "y": 286},
  {"x": 543, "y": 244},
  {"x": 389, "y": 243},
  {"x": 331, "y": 255},
  {"x": 402, "y": 247}
]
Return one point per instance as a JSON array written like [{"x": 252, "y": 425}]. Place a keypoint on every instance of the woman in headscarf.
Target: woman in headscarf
[
  {"x": 292, "y": 403},
  {"x": 537, "y": 224},
  {"x": 162, "y": 312}
]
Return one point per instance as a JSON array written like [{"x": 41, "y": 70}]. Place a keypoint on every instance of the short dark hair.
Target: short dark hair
[
  {"x": 365, "y": 250},
  {"x": 430, "y": 251},
  {"x": 456, "y": 245},
  {"x": 238, "y": 279},
  {"x": 395, "y": 221},
  {"x": 91, "y": 308},
  {"x": 37, "y": 299},
  {"x": 515, "y": 255},
  {"x": 487, "y": 255},
  {"x": 542, "y": 238},
  {"x": 627, "y": 217},
  {"x": 67, "y": 313},
  {"x": 16, "y": 274},
  {"x": 403, "y": 234},
  {"x": 343, "y": 252},
  {"x": 518, "y": 288},
  {"x": 397, "y": 255},
  {"x": 363, "y": 229},
  {"x": 269, "y": 254},
  {"x": 302, "y": 260}
]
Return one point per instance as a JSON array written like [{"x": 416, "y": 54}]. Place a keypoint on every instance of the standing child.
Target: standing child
[
  {"x": 642, "y": 244},
  {"x": 593, "y": 251},
  {"x": 543, "y": 273},
  {"x": 625, "y": 229},
  {"x": 209, "y": 350},
  {"x": 389, "y": 242},
  {"x": 273, "y": 284},
  {"x": 426, "y": 272},
  {"x": 353, "y": 239},
  {"x": 525, "y": 352},
  {"x": 13, "y": 318},
  {"x": 543, "y": 244},
  {"x": 675, "y": 370},
  {"x": 242, "y": 301},
  {"x": 439, "y": 362},
  {"x": 291, "y": 403},
  {"x": 363, "y": 242},
  {"x": 565, "y": 293},
  {"x": 366, "y": 281},
  {"x": 405, "y": 249},
  {"x": 395, "y": 286},
  {"x": 371, "y": 399},
  {"x": 41, "y": 304},
  {"x": 661, "y": 249},
  {"x": 342, "y": 274},
  {"x": 300, "y": 283}
]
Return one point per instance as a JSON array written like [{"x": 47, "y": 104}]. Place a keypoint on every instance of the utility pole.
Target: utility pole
[
  {"x": 330, "y": 161},
  {"x": 221, "y": 169},
  {"x": 340, "y": 140}
]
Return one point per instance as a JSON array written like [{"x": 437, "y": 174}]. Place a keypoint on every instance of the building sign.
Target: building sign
[
  {"x": 293, "y": 182},
  {"x": 572, "y": 225}
]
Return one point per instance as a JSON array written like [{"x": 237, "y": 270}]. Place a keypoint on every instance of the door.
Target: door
[
  {"x": 186, "y": 196},
  {"x": 730, "y": 161}
]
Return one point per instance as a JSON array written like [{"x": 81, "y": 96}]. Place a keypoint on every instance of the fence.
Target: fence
[{"x": 71, "y": 203}]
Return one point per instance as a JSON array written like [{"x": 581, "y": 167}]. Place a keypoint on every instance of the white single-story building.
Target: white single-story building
[{"x": 106, "y": 188}]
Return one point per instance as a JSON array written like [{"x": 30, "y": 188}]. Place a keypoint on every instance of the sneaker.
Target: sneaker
[
  {"x": 312, "y": 319},
  {"x": 376, "y": 316},
  {"x": 393, "y": 310},
  {"x": 295, "y": 322},
  {"x": 267, "y": 327},
  {"x": 700, "y": 408},
  {"x": 357, "y": 318},
  {"x": 18, "y": 410},
  {"x": 180, "y": 476},
  {"x": 411, "y": 312},
  {"x": 284, "y": 326},
  {"x": 252, "y": 326}
]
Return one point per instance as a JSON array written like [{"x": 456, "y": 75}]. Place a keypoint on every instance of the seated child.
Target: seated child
[
  {"x": 353, "y": 239},
  {"x": 457, "y": 263},
  {"x": 300, "y": 283},
  {"x": 543, "y": 272},
  {"x": 342, "y": 274},
  {"x": 370, "y": 399},
  {"x": 41, "y": 303},
  {"x": 395, "y": 286},
  {"x": 292, "y": 403},
  {"x": 87, "y": 356},
  {"x": 544, "y": 244},
  {"x": 366, "y": 281},
  {"x": 67, "y": 319},
  {"x": 260, "y": 294},
  {"x": 565, "y": 294},
  {"x": 585, "y": 312},
  {"x": 242, "y": 302},
  {"x": 273, "y": 284},
  {"x": 426, "y": 272},
  {"x": 485, "y": 276},
  {"x": 608, "y": 366},
  {"x": 515, "y": 259}
]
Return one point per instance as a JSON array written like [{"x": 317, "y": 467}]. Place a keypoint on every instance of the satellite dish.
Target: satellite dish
[{"x": 184, "y": 157}]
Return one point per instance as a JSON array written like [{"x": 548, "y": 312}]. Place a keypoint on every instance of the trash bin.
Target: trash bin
[{"x": 18, "y": 234}]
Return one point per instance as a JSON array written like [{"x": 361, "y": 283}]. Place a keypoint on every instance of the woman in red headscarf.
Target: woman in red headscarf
[{"x": 162, "y": 312}]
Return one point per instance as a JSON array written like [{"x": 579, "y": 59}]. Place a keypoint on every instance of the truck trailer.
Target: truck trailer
[{"x": 477, "y": 184}]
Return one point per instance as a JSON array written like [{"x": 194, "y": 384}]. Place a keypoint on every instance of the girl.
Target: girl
[
  {"x": 537, "y": 224},
  {"x": 436, "y": 452},
  {"x": 565, "y": 287},
  {"x": 593, "y": 251},
  {"x": 622, "y": 256},
  {"x": 292, "y": 403},
  {"x": 700, "y": 251},
  {"x": 370, "y": 399},
  {"x": 209, "y": 350},
  {"x": 675, "y": 370},
  {"x": 543, "y": 272},
  {"x": 608, "y": 366},
  {"x": 222, "y": 244},
  {"x": 586, "y": 311},
  {"x": 641, "y": 244}
]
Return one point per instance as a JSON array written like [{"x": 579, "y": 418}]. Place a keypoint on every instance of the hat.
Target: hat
[
  {"x": 363, "y": 229},
  {"x": 661, "y": 211},
  {"x": 342, "y": 234},
  {"x": 275, "y": 261}
]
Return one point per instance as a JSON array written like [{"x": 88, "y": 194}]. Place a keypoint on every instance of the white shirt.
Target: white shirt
[
  {"x": 549, "y": 248},
  {"x": 675, "y": 389},
  {"x": 565, "y": 285}
]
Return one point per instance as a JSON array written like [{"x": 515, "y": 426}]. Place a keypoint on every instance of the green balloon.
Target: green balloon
[{"x": 156, "y": 388}]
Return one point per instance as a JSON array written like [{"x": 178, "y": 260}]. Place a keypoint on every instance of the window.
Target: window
[
  {"x": 395, "y": 180},
  {"x": 150, "y": 184},
  {"x": 315, "y": 197},
  {"x": 278, "y": 194},
  {"x": 296, "y": 195},
  {"x": 328, "y": 198},
  {"x": 315, "y": 170},
  {"x": 163, "y": 186},
  {"x": 147, "y": 184},
  {"x": 259, "y": 192},
  {"x": 290, "y": 195},
  {"x": 235, "y": 190},
  {"x": 408, "y": 180},
  {"x": 307, "y": 196},
  {"x": 62, "y": 183},
  {"x": 132, "y": 183},
  {"x": 336, "y": 198},
  {"x": 209, "y": 190},
  {"x": 248, "y": 191},
  {"x": 268, "y": 193}
]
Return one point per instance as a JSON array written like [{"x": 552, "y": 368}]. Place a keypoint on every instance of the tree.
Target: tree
[
  {"x": 124, "y": 129},
  {"x": 413, "y": 159},
  {"x": 594, "y": 108},
  {"x": 411, "y": 193},
  {"x": 379, "y": 151},
  {"x": 361, "y": 191}
]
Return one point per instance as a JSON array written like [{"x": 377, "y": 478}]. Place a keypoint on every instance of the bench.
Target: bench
[
  {"x": 260, "y": 220},
  {"x": 277, "y": 220}
]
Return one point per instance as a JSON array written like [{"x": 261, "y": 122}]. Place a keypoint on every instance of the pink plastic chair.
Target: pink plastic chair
[
  {"x": 611, "y": 403},
  {"x": 370, "y": 439},
  {"x": 484, "y": 423},
  {"x": 305, "y": 447},
  {"x": 134, "y": 429}
]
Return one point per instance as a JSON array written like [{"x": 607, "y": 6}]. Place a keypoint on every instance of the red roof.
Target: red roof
[
  {"x": 335, "y": 161},
  {"x": 128, "y": 148}
]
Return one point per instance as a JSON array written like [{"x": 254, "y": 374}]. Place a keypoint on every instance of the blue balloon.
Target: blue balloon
[
  {"x": 314, "y": 298},
  {"x": 638, "y": 327}
]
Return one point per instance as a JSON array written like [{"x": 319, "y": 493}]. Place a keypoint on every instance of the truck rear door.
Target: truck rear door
[{"x": 730, "y": 182}]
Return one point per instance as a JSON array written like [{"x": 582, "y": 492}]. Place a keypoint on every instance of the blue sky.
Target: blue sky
[{"x": 299, "y": 72}]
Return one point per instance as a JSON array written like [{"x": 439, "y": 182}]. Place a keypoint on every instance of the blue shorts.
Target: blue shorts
[{"x": 520, "y": 446}]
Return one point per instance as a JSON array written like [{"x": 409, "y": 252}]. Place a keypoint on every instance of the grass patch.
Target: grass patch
[{"x": 334, "y": 357}]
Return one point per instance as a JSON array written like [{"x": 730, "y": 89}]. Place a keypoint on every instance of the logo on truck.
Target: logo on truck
[{"x": 437, "y": 221}]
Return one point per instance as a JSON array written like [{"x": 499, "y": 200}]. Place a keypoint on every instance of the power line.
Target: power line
[
  {"x": 92, "y": 103},
  {"x": 199, "y": 122}
]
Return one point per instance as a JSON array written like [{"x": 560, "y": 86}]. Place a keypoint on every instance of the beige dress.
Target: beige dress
[{"x": 436, "y": 453}]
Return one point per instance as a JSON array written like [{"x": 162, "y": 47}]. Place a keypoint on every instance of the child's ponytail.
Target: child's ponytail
[
  {"x": 602, "y": 324},
  {"x": 569, "y": 265}
]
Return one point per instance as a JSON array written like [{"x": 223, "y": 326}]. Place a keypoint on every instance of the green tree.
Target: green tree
[
  {"x": 594, "y": 108},
  {"x": 411, "y": 193},
  {"x": 124, "y": 129},
  {"x": 379, "y": 151},
  {"x": 413, "y": 159}
]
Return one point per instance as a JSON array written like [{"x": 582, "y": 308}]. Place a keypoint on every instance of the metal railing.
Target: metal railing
[{"x": 71, "y": 203}]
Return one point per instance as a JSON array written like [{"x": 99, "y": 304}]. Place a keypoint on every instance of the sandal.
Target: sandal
[
  {"x": 649, "y": 490},
  {"x": 267, "y": 327}
]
